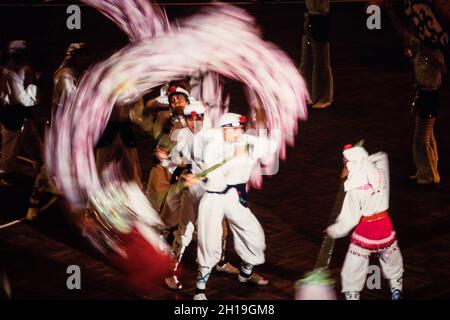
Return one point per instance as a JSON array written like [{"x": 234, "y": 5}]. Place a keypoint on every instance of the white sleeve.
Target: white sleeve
[
  {"x": 348, "y": 218},
  {"x": 25, "y": 96},
  {"x": 68, "y": 87},
  {"x": 212, "y": 155},
  {"x": 175, "y": 157},
  {"x": 179, "y": 142},
  {"x": 162, "y": 99},
  {"x": 261, "y": 148}
]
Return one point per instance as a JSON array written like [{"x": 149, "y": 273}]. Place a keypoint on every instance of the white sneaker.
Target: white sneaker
[
  {"x": 352, "y": 295},
  {"x": 173, "y": 283},
  {"x": 254, "y": 278},
  {"x": 200, "y": 296},
  {"x": 227, "y": 268}
]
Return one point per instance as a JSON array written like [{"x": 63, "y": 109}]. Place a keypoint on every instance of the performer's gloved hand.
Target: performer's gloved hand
[{"x": 329, "y": 231}]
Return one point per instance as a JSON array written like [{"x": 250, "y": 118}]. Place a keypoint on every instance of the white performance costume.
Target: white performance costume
[
  {"x": 226, "y": 197},
  {"x": 366, "y": 207},
  {"x": 13, "y": 91},
  {"x": 188, "y": 151},
  {"x": 16, "y": 98},
  {"x": 187, "y": 154}
]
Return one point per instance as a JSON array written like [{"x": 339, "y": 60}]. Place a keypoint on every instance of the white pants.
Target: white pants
[
  {"x": 248, "y": 235},
  {"x": 356, "y": 266}
]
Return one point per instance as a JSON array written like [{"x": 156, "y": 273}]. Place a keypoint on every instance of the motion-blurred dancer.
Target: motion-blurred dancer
[{"x": 236, "y": 154}]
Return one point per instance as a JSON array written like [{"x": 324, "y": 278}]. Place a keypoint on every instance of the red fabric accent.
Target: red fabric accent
[
  {"x": 243, "y": 119},
  {"x": 194, "y": 114},
  {"x": 348, "y": 146},
  {"x": 376, "y": 216},
  {"x": 144, "y": 266},
  {"x": 173, "y": 89},
  {"x": 379, "y": 231}
]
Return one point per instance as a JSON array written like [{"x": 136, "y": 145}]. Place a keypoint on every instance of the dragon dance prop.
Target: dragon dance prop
[
  {"x": 318, "y": 283},
  {"x": 208, "y": 87},
  {"x": 138, "y": 19},
  {"x": 137, "y": 68},
  {"x": 221, "y": 40}
]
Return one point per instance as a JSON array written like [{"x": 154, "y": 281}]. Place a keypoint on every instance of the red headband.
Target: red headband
[{"x": 348, "y": 146}]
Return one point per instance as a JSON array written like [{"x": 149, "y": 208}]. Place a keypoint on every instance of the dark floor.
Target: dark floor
[{"x": 373, "y": 86}]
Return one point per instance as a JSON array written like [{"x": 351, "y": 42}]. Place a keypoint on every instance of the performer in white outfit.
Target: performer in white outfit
[
  {"x": 187, "y": 154},
  {"x": 17, "y": 94},
  {"x": 365, "y": 207},
  {"x": 226, "y": 196}
]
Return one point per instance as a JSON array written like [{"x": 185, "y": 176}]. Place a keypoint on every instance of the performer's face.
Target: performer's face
[
  {"x": 233, "y": 134},
  {"x": 195, "y": 123},
  {"x": 178, "y": 102}
]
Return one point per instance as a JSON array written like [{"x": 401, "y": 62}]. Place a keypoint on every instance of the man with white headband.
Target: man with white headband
[
  {"x": 236, "y": 155},
  {"x": 365, "y": 207},
  {"x": 187, "y": 154}
]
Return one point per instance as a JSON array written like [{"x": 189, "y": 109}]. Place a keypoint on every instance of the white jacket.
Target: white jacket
[
  {"x": 237, "y": 169},
  {"x": 361, "y": 201},
  {"x": 12, "y": 90}
]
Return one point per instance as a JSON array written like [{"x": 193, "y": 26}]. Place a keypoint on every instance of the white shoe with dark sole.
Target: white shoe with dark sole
[{"x": 200, "y": 296}]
